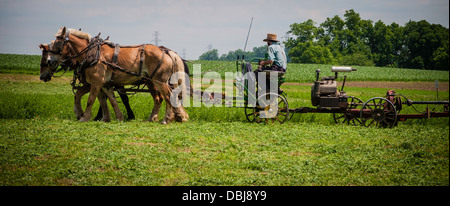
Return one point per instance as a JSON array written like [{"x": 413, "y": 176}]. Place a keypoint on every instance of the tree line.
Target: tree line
[
  {"x": 232, "y": 55},
  {"x": 355, "y": 41}
]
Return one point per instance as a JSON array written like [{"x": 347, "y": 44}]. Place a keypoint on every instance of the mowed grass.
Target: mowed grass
[
  {"x": 66, "y": 152},
  {"x": 42, "y": 144}
]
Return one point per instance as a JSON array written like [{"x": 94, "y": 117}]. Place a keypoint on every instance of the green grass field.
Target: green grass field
[
  {"x": 306, "y": 72},
  {"x": 29, "y": 64},
  {"x": 42, "y": 143}
]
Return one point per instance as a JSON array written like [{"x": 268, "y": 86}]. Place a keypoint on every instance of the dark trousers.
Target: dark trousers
[
  {"x": 274, "y": 67},
  {"x": 268, "y": 68}
]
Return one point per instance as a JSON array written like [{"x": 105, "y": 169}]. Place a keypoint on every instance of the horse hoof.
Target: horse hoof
[
  {"x": 84, "y": 120},
  {"x": 153, "y": 119},
  {"x": 164, "y": 123},
  {"x": 181, "y": 119}
]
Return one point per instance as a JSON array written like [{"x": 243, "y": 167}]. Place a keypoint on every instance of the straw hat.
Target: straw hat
[{"x": 271, "y": 37}]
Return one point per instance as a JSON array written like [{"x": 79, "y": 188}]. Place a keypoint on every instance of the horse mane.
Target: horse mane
[{"x": 77, "y": 33}]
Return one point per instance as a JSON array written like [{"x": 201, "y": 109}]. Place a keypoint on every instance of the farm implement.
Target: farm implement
[{"x": 326, "y": 97}]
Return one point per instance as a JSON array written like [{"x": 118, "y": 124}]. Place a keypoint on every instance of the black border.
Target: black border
[{"x": 297, "y": 195}]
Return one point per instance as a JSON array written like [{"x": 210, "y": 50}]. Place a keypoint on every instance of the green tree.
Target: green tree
[
  {"x": 210, "y": 55},
  {"x": 427, "y": 45},
  {"x": 352, "y": 31},
  {"x": 381, "y": 44},
  {"x": 397, "y": 41},
  {"x": 310, "y": 53},
  {"x": 356, "y": 41},
  {"x": 440, "y": 57},
  {"x": 257, "y": 52},
  {"x": 356, "y": 35},
  {"x": 304, "y": 32},
  {"x": 356, "y": 59},
  {"x": 332, "y": 34}
]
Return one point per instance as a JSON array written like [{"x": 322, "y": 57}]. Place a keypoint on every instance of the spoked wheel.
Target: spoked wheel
[
  {"x": 291, "y": 114},
  {"x": 249, "y": 113},
  {"x": 351, "y": 118},
  {"x": 378, "y": 112},
  {"x": 271, "y": 107}
]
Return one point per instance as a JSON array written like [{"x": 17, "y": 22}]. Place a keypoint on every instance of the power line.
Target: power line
[{"x": 156, "y": 40}]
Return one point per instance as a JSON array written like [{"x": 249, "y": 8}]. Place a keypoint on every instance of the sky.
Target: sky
[{"x": 189, "y": 27}]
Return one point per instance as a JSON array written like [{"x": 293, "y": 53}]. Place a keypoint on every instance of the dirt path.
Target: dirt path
[
  {"x": 31, "y": 78},
  {"x": 443, "y": 86}
]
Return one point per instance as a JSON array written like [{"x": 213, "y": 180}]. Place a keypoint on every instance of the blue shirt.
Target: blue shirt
[{"x": 277, "y": 55}]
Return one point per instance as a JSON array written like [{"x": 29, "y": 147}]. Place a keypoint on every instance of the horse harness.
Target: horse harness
[
  {"x": 115, "y": 58},
  {"x": 92, "y": 57}
]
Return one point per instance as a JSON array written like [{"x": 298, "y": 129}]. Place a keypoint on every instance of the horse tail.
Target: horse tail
[
  {"x": 186, "y": 67},
  {"x": 183, "y": 73},
  {"x": 187, "y": 79}
]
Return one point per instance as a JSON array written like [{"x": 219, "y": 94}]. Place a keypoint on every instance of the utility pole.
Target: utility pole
[
  {"x": 156, "y": 38},
  {"x": 209, "y": 47},
  {"x": 183, "y": 52},
  {"x": 286, "y": 37}
]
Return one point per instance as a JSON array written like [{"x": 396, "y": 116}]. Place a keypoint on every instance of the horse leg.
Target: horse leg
[
  {"x": 180, "y": 113},
  {"x": 77, "y": 103},
  {"x": 157, "y": 101},
  {"x": 112, "y": 99},
  {"x": 165, "y": 92},
  {"x": 103, "y": 110},
  {"x": 92, "y": 96},
  {"x": 99, "y": 114},
  {"x": 169, "y": 116},
  {"x": 126, "y": 102}
]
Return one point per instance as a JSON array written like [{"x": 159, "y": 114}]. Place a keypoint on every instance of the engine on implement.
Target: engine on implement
[
  {"x": 327, "y": 97},
  {"x": 325, "y": 94}
]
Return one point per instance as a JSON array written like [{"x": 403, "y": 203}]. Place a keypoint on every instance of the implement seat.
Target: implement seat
[{"x": 281, "y": 79}]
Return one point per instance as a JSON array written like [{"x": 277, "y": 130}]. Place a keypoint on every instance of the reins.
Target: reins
[
  {"x": 98, "y": 42},
  {"x": 64, "y": 66}
]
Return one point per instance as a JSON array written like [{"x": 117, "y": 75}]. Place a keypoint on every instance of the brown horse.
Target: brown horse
[
  {"x": 47, "y": 72},
  {"x": 156, "y": 68}
]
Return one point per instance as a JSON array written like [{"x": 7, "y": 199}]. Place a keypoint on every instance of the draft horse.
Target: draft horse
[
  {"x": 47, "y": 71},
  {"x": 132, "y": 65}
]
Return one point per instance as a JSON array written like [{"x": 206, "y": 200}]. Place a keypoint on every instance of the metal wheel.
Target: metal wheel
[
  {"x": 378, "y": 112},
  {"x": 249, "y": 113},
  {"x": 291, "y": 114},
  {"x": 271, "y": 107},
  {"x": 348, "y": 117}
]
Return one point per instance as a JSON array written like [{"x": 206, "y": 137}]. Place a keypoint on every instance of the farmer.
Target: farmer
[
  {"x": 276, "y": 58},
  {"x": 276, "y": 62}
]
